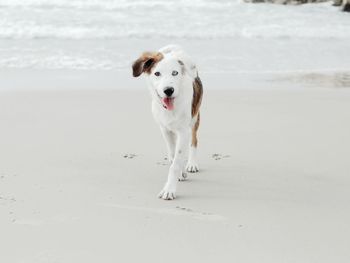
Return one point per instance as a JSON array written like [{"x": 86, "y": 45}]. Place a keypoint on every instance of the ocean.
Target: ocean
[{"x": 106, "y": 34}]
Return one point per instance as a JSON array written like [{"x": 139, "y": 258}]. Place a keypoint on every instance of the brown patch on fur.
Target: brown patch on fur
[
  {"x": 196, "y": 103},
  {"x": 194, "y": 132},
  {"x": 145, "y": 63},
  {"x": 197, "y": 96}
]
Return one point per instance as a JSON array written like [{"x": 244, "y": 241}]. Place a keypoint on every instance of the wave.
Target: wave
[
  {"x": 81, "y": 33},
  {"x": 197, "y": 19},
  {"x": 116, "y": 4}
]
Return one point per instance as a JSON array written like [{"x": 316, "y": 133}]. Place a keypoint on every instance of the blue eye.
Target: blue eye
[
  {"x": 157, "y": 73},
  {"x": 174, "y": 73}
]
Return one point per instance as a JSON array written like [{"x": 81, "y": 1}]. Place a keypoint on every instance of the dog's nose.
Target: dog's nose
[{"x": 169, "y": 91}]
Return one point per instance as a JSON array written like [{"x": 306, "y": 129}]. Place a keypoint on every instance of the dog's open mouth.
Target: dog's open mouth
[{"x": 168, "y": 103}]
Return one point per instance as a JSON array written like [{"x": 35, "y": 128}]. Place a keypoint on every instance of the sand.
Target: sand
[{"x": 81, "y": 166}]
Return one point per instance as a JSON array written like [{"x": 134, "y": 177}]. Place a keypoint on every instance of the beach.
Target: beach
[
  {"x": 82, "y": 160},
  {"x": 80, "y": 173}
]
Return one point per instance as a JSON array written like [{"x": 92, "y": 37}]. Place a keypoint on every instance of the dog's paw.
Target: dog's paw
[
  {"x": 182, "y": 177},
  {"x": 167, "y": 194},
  {"x": 192, "y": 167}
]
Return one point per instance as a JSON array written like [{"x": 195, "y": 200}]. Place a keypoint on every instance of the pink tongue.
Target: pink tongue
[{"x": 168, "y": 103}]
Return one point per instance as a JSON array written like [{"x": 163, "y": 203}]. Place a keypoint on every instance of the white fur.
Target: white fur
[{"x": 175, "y": 125}]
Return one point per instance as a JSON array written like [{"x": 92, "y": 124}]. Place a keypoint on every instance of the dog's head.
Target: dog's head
[{"x": 164, "y": 73}]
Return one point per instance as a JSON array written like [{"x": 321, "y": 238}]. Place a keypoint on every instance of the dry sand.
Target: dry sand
[{"x": 80, "y": 171}]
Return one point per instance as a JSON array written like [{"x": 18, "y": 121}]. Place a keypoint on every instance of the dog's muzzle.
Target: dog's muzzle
[{"x": 168, "y": 101}]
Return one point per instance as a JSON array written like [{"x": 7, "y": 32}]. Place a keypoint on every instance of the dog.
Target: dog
[{"x": 176, "y": 92}]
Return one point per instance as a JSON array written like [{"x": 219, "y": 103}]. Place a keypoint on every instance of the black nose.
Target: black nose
[{"x": 169, "y": 91}]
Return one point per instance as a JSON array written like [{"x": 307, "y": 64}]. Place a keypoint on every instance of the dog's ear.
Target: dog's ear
[
  {"x": 145, "y": 63},
  {"x": 189, "y": 68}
]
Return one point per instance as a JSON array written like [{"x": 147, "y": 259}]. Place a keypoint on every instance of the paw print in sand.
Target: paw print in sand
[
  {"x": 218, "y": 156},
  {"x": 129, "y": 156}
]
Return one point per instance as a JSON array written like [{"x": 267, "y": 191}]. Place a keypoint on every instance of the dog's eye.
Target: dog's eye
[
  {"x": 175, "y": 73},
  {"x": 157, "y": 73}
]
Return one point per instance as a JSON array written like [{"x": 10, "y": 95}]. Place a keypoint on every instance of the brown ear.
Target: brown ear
[{"x": 145, "y": 63}]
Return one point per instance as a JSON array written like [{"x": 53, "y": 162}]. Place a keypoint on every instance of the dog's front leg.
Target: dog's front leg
[
  {"x": 176, "y": 168},
  {"x": 170, "y": 140}
]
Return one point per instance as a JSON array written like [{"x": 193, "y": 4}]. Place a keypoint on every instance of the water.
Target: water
[
  {"x": 196, "y": 19},
  {"x": 104, "y": 34}
]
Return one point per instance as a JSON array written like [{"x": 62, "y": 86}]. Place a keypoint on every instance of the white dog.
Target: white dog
[{"x": 176, "y": 93}]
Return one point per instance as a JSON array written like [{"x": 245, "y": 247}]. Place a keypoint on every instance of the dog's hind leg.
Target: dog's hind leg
[{"x": 192, "y": 165}]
